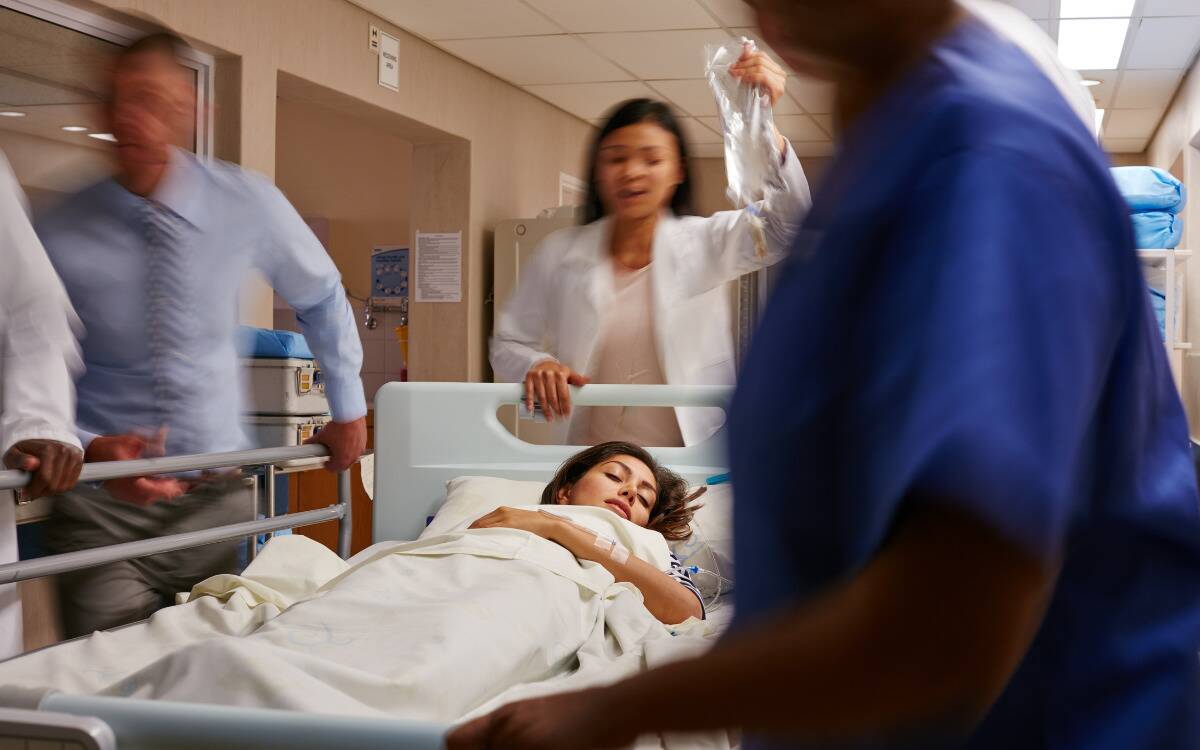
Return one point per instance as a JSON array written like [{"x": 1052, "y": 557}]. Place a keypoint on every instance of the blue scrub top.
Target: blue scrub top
[{"x": 963, "y": 322}]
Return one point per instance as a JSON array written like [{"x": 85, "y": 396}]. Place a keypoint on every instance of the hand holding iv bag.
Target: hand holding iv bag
[{"x": 752, "y": 156}]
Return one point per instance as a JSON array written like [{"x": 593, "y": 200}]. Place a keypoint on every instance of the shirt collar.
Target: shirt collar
[{"x": 180, "y": 187}]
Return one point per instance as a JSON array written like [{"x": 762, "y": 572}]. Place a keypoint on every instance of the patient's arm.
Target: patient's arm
[{"x": 665, "y": 597}]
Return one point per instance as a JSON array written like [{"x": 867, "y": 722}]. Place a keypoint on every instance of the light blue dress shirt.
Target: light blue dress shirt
[{"x": 232, "y": 221}]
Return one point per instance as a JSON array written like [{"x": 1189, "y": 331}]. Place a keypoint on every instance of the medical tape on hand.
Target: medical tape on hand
[{"x": 615, "y": 550}]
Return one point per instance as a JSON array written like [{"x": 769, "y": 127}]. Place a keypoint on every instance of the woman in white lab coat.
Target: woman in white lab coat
[{"x": 637, "y": 294}]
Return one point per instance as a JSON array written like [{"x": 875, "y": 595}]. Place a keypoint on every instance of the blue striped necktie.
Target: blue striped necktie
[{"x": 170, "y": 327}]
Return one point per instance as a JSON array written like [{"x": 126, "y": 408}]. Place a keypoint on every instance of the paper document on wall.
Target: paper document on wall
[
  {"x": 439, "y": 267},
  {"x": 389, "y": 62}
]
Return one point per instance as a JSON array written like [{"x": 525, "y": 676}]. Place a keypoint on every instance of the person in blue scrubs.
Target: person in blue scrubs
[{"x": 966, "y": 509}]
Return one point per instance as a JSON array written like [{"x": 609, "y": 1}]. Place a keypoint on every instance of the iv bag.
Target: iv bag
[{"x": 752, "y": 155}]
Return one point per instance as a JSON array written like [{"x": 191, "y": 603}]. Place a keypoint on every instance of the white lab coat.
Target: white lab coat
[
  {"x": 555, "y": 312},
  {"x": 39, "y": 355}
]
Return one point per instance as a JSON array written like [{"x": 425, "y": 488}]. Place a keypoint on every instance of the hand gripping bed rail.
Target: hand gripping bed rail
[
  {"x": 103, "y": 471},
  {"x": 166, "y": 725}
]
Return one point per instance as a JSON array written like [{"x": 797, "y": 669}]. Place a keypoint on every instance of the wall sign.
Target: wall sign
[{"x": 389, "y": 61}]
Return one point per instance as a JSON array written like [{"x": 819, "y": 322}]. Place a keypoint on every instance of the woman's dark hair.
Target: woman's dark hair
[
  {"x": 633, "y": 112},
  {"x": 671, "y": 515}
]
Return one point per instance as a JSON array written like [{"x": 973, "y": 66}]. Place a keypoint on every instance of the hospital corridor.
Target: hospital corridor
[{"x": 599, "y": 374}]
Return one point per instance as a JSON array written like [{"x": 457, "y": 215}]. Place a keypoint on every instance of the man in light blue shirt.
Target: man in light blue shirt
[{"x": 153, "y": 261}]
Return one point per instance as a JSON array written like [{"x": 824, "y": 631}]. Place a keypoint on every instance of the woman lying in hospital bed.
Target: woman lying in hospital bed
[{"x": 489, "y": 605}]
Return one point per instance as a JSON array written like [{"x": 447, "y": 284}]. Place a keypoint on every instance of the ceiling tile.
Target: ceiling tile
[
  {"x": 696, "y": 131},
  {"x": 731, "y": 13},
  {"x": 537, "y": 59},
  {"x": 658, "y": 54},
  {"x": 817, "y": 148},
  {"x": 1108, "y": 84},
  {"x": 1131, "y": 123},
  {"x": 816, "y": 97},
  {"x": 590, "y": 100},
  {"x": 1124, "y": 145},
  {"x": 1163, "y": 42},
  {"x": 692, "y": 96},
  {"x": 1032, "y": 8},
  {"x": 1146, "y": 89},
  {"x": 625, "y": 15},
  {"x": 1170, "y": 8},
  {"x": 800, "y": 128},
  {"x": 462, "y": 19},
  {"x": 707, "y": 151}
]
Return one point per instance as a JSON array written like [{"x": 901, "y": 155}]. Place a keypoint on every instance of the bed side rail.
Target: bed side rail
[{"x": 105, "y": 470}]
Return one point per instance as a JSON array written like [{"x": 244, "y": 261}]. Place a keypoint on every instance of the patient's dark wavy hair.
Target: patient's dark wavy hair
[{"x": 671, "y": 514}]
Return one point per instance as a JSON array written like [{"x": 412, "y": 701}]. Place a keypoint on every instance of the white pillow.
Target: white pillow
[
  {"x": 468, "y": 498},
  {"x": 710, "y": 547}
]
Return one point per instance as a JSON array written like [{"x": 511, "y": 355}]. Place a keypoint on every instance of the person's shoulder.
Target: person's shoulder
[
  {"x": 74, "y": 210},
  {"x": 234, "y": 180},
  {"x": 575, "y": 241}
]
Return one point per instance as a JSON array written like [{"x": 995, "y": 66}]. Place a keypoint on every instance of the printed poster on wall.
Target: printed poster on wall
[{"x": 439, "y": 267}]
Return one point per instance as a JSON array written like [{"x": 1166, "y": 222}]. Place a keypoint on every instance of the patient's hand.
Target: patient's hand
[{"x": 542, "y": 524}]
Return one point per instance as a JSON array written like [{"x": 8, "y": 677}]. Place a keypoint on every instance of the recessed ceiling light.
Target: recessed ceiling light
[
  {"x": 1092, "y": 43},
  {"x": 10, "y": 113},
  {"x": 1089, "y": 82},
  {"x": 1099, "y": 120},
  {"x": 1096, "y": 9},
  {"x": 103, "y": 137},
  {"x": 74, "y": 128}
]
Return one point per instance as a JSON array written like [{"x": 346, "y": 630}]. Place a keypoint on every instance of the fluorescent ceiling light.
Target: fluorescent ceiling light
[
  {"x": 103, "y": 137},
  {"x": 1092, "y": 43},
  {"x": 1096, "y": 9},
  {"x": 1089, "y": 82},
  {"x": 1099, "y": 120},
  {"x": 10, "y": 113},
  {"x": 74, "y": 128}
]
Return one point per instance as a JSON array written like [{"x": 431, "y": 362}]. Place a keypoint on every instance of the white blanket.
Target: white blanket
[{"x": 440, "y": 629}]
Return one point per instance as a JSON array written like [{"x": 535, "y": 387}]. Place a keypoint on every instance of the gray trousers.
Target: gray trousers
[{"x": 124, "y": 592}]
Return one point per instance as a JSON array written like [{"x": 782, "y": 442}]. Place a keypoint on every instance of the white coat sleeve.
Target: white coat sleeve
[
  {"x": 39, "y": 353},
  {"x": 726, "y": 245},
  {"x": 520, "y": 338}
]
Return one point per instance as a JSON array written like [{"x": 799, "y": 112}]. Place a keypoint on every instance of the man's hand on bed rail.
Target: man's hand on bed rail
[
  {"x": 346, "y": 442},
  {"x": 546, "y": 383},
  {"x": 55, "y": 465},
  {"x": 135, "y": 490}
]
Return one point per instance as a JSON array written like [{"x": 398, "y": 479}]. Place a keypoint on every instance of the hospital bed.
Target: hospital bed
[{"x": 425, "y": 435}]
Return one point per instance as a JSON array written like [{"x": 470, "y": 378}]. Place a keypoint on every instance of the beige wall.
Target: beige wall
[
  {"x": 350, "y": 173},
  {"x": 708, "y": 181},
  {"x": 1170, "y": 150},
  {"x": 518, "y": 143}
]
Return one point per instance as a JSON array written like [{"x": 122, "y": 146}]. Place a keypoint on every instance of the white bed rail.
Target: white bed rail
[
  {"x": 167, "y": 725},
  {"x": 428, "y": 433},
  {"x": 102, "y": 471}
]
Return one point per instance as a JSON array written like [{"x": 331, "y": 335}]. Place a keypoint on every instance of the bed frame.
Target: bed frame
[{"x": 425, "y": 435}]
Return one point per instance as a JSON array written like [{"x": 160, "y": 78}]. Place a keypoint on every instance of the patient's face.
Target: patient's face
[{"x": 622, "y": 484}]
